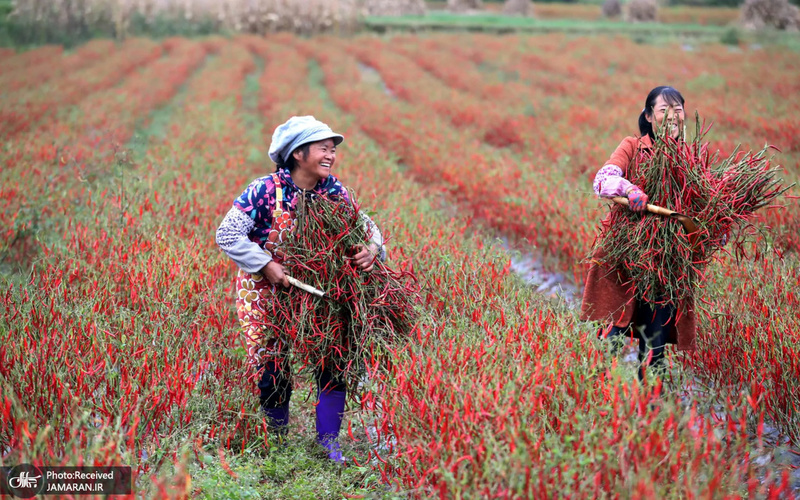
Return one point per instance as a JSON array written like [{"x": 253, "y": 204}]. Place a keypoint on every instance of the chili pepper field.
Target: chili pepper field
[{"x": 119, "y": 339}]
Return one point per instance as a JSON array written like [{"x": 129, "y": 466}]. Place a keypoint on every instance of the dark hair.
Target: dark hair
[
  {"x": 290, "y": 162},
  {"x": 671, "y": 95}
]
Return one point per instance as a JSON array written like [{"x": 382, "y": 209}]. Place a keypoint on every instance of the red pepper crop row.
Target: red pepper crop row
[
  {"x": 65, "y": 152},
  {"x": 28, "y": 107},
  {"x": 91, "y": 53},
  {"x": 750, "y": 339},
  {"x": 14, "y": 62},
  {"x": 63, "y": 340}
]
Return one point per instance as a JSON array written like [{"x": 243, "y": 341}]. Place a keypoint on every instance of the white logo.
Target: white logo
[{"x": 24, "y": 480}]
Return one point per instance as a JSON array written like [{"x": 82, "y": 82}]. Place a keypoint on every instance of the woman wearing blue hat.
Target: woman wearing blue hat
[{"x": 304, "y": 151}]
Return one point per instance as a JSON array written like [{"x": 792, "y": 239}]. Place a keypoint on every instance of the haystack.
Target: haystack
[
  {"x": 394, "y": 7},
  {"x": 464, "y": 5},
  {"x": 642, "y": 11},
  {"x": 518, "y": 8},
  {"x": 779, "y": 14},
  {"x": 612, "y": 8},
  {"x": 299, "y": 16}
]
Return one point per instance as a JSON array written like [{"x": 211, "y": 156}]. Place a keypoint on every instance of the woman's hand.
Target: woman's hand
[
  {"x": 365, "y": 256},
  {"x": 637, "y": 200},
  {"x": 275, "y": 274}
]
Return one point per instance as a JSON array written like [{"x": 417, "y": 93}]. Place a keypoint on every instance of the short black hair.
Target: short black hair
[
  {"x": 671, "y": 95},
  {"x": 290, "y": 162}
]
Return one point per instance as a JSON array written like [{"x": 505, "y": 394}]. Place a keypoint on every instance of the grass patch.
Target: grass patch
[
  {"x": 156, "y": 125},
  {"x": 644, "y": 32},
  {"x": 706, "y": 82},
  {"x": 297, "y": 469},
  {"x": 491, "y": 21},
  {"x": 254, "y": 123}
]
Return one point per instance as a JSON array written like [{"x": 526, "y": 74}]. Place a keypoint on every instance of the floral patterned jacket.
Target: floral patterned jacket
[{"x": 244, "y": 234}]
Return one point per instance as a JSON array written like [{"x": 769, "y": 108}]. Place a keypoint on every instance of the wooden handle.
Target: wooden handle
[
  {"x": 687, "y": 222},
  {"x": 653, "y": 209},
  {"x": 302, "y": 286}
]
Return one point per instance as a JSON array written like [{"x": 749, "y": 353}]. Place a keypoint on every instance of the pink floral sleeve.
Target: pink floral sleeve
[{"x": 609, "y": 182}]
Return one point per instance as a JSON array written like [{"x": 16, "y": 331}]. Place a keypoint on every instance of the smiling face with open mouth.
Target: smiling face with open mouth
[
  {"x": 667, "y": 113},
  {"x": 315, "y": 164}
]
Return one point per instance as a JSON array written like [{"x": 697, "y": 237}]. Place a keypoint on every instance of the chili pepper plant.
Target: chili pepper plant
[{"x": 364, "y": 315}]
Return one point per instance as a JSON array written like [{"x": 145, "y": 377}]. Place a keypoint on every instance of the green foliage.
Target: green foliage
[
  {"x": 297, "y": 469},
  {"x": 162, "y": 27},
  {"x": 15, "y": 32},
  {"x": 492, "y": 22},
  {"x": 211, "y": 480},
  {"x": 731, "y": 37},
  {"x": 5, "y": 8}
]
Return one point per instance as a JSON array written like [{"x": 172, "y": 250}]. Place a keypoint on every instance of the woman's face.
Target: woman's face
[
  {"x": 319, "y": 161},
  {"x": 674, "y": 115}
]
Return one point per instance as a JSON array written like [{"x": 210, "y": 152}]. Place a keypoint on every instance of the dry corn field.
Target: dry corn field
[
  {"x": 308, "y": 16},
  {"x": 120, "y": 343}
]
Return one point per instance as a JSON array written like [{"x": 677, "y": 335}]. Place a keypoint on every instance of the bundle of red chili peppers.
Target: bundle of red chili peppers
[
  {"x": 722, "y": 195},
  {"x": 363, "y": 315}
]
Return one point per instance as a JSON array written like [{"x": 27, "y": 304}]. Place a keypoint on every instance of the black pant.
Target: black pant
[
  {"x": 652, "y": 325},
  {"x": 276, "y": 388}
]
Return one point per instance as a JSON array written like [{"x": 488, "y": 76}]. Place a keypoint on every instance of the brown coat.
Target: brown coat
[{"x": 608, "y": 296}]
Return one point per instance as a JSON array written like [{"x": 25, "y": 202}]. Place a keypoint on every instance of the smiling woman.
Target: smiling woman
[
  {"x": 609, "y": 294},
  {"x": 304, "y": 151}
]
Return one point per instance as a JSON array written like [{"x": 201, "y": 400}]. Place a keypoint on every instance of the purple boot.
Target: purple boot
[{"x": 329, "y": 422}]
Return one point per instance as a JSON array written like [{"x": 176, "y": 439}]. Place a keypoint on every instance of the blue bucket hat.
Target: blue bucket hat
[{"x": 299, "y": 130}]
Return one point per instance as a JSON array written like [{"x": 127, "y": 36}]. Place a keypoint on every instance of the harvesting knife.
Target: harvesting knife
[
  {"x": 687, "y": 222},
  {"x": 308, "y": 288}
]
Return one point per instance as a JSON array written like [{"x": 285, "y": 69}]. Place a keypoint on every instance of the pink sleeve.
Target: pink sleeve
[{"x": 609, "y": 182}]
